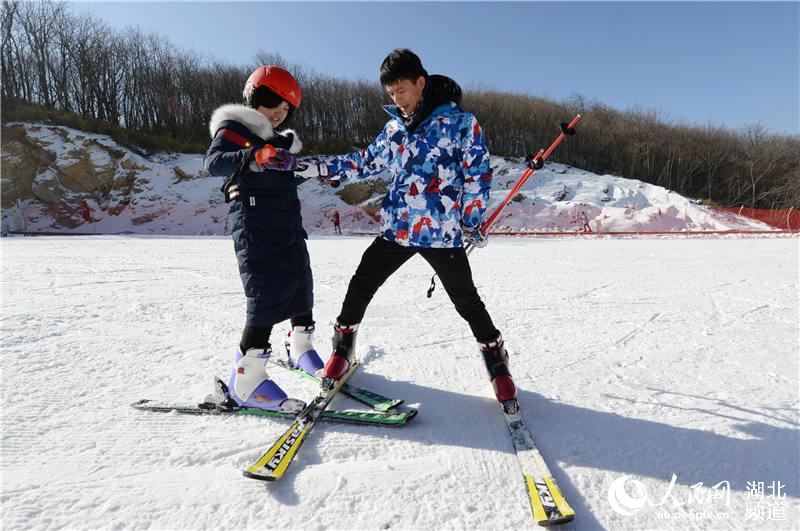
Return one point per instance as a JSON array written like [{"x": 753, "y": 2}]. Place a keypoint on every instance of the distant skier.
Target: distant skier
[
  {"x": 435, "y": 204},
  {"x": 86, "y": 212},
  {"x": 267, "y": 231},
  {"x": 336, "y": 222},
  {"x": 584, "y": 220}
]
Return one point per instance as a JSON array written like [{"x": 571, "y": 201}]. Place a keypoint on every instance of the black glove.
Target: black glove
[{"x": 474, "y": 236}]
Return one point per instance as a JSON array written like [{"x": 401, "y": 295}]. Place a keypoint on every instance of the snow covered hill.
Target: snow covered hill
[
  {"x": 637, "y": 361},
  {"x": 173, "y": 194}
]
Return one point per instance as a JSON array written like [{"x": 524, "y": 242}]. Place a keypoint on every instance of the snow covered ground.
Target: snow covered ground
[{"x": 637, "y": 359}]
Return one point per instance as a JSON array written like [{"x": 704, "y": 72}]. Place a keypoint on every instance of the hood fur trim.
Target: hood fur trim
[
  {"x": 296, "y": 146},
  {"x": 256, "y": 122}
]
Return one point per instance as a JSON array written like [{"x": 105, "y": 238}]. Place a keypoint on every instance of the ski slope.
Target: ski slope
[
  {"x": 173, "y": 194},
  {"x": 636, "y": 359}
]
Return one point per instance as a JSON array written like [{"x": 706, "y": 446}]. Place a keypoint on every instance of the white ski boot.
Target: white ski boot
[
  {"x": 300, "y": 350},
  {"x": 251, "y": 386}
]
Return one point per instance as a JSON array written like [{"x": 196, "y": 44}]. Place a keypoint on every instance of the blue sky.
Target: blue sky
[{"x": 729, "y": 63}]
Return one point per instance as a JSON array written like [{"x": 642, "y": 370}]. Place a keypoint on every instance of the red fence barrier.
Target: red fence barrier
[{"x": 786, "y": 219}]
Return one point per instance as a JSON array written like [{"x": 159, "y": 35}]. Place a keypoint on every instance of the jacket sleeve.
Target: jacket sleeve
[
  {"x": 224, "y": 157},
  {"x": 477, "y": 174},
  {"x": 370, "y": 161}
]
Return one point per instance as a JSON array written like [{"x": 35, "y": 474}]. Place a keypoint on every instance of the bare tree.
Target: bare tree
[
  {"x": 760, "y": 158},
  {"x": 142, "y": 82}
]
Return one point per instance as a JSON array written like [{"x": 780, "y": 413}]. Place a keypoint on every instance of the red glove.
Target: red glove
[{"x": 272, "y": 158}]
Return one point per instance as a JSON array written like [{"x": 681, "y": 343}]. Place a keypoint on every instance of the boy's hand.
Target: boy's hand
[
  {"x": 474, "y": 236},
  {"x": 311, "y": 169},
  {"x": 316, "y": 169}
]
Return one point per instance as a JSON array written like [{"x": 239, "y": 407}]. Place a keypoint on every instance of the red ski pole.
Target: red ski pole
[{"x": 534, "y": 163}]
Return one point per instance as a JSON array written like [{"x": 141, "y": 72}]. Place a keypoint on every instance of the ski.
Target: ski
[
  {"x": 365, "y": 396},
  {"x": 273, "y": 464},
  {"x": 374, "y": 418},
  {"x": 547, "y": 503}
]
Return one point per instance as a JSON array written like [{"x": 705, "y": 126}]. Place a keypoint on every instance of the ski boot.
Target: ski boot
[
  {"x": 344, "y": 346},
  {"x": 495, "y": 357},
  {"x": 251, "y": 386},
  {"x": 300, "y": 350}
]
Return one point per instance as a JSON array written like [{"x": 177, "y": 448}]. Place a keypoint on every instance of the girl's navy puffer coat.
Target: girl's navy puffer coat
[{"x": 265, "y": 220}]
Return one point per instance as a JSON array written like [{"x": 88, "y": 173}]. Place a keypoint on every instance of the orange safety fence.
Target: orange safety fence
[{"x": 786, "y": 218}]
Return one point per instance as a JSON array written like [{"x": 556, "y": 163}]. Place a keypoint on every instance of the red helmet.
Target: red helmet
[{"x": 277, "y": 80}]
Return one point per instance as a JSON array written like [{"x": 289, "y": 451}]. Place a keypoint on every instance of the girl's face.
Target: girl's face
[{"x": 275, "y": 115}]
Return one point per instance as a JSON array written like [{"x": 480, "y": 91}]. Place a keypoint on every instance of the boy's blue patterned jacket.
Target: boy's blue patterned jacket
[{"x": 440, "y": 173}]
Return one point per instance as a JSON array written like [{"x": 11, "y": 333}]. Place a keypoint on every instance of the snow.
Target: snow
[
  {"x": 188, "y": 201},
  {"x": 634, "y": 357}
]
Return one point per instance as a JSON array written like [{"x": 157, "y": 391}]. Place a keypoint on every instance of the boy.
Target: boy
[{"x": 435, "y": 204}]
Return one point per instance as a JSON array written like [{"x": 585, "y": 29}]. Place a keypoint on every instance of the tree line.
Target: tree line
[{"x": 140, "y": 81}]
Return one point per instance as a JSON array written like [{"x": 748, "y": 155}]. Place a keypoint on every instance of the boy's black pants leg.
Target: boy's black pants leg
[
  {"x": 379, "y": 261},
  {"x": 382, "y": 258},
  {"x": 452, "y": 267}
]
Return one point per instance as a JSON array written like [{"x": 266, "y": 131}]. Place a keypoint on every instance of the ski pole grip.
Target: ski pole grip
[
  {"x": 541, "y": 157},
  {"x": 563, "y": 135}
]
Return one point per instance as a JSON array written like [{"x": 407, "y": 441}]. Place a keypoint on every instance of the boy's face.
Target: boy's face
[
  {"x": 275, "y": 115},
  {"x": 406, "y": 94}
]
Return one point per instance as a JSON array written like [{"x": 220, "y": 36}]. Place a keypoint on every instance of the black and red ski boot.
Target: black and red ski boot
[
  {"x": 344, "y": 346},
  {"x": 495, "y": 357}
]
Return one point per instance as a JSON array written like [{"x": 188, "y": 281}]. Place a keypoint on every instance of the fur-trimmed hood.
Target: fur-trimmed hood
[{"x": 256, "y": 122}]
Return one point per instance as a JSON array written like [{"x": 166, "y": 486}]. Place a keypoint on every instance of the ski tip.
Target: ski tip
[
  {"x": 140, "y": 403},
  {"x": 405, "y": 416},
  {"x": 557, "y": 511},
  {"x": 253, "y": 475},
  {"x": 386, "y": 407},
  {"x": 393, "y": 404},
  {"x": 556, "y": 521}
]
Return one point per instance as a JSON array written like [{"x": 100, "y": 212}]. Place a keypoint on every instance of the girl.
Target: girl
[{"x": 267, "y": 231}]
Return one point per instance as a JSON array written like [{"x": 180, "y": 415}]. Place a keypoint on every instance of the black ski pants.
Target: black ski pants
[
  {"x": 258, "y": 336},
  {"x": 382, "y": 258}
]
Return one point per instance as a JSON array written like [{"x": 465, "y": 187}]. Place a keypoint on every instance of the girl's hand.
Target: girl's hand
[{"x": 271, "y": 158}]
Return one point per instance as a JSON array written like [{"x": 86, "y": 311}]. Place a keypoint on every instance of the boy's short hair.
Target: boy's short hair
[{"x": 401, "y": 63}]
